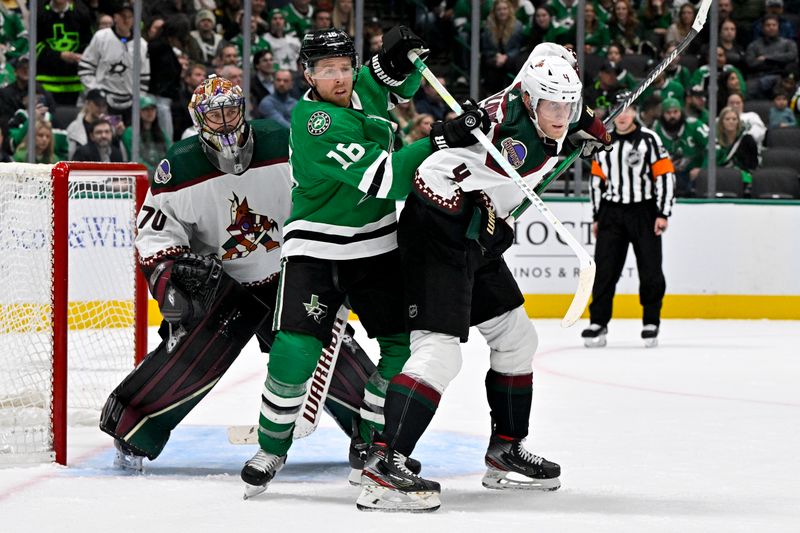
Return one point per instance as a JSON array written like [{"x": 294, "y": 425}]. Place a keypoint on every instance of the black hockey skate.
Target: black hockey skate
[
  {"x": 594, "y": 336},
  {"x": 126, "y": 458},
  {"x": 511, "y": 466},
  {"x": 259, "y": 471},
  {"x": 650, "y": 335},
  {"x": 358, "y": 456},
  {"x": 388, "y": 485}
]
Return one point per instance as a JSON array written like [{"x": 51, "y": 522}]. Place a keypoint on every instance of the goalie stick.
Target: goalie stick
[
  {"x": 587, "y": 266},
  {"x": 697, "y": 26},
  {"x": 316, "y": 393}
]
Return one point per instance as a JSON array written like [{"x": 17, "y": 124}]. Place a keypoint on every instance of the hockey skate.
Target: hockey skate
[
  {"x": 358, "y": 456},
  {"x": 259, "y": 471},
  {"x": 126, "y": 459},
  {"x": 650, "y": 335},
  {"x": 388, "y": 485},
  {"x": 594, "y": 336},
  {"x": 511, "y": 466}
]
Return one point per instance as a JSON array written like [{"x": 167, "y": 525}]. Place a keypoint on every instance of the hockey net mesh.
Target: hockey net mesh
[{"x": 100, "y": 345}]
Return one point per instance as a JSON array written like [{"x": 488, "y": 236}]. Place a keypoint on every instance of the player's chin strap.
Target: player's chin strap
[
  {"x": 697, "y": 26},
  {"x": 587, "y": 266}
]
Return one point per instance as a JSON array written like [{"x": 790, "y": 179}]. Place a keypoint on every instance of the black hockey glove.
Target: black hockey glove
[
  {"x": 491, "y": 233},
  {"x": 457, "y": 132},
  {"x": 186, "y": 286},
  {"x": 390, "y": 65},
  {"x": 590, "y": 135}
]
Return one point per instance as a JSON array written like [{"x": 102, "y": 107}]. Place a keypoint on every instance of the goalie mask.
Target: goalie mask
[
  {"x": 552, "y": 78},
  {"x": 217, "y": 110}
]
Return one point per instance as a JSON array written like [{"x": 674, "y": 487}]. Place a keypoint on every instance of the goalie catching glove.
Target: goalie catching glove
[
  {"x": 590, "y": 134},
  {"x": 457, "y": 132},
  {"x": 185, "y": 286},
  {"x": 391, "y": 65},
  {"x": 493, "y": 234}
]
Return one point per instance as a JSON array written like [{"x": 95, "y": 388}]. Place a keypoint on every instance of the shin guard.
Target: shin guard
[
  {"x": 172, "y": 379},
  {"x": 510, "y": 398},
  {"x": 409, "y": 408}
]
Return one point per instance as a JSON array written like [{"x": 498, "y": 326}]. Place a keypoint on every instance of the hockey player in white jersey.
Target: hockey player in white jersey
[
  {"x": 209, "y": 240},
  {"x": 452, "y": 236}
]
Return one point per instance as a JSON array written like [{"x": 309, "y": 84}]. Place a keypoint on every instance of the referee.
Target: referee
[{"x": 633, "y": 190}]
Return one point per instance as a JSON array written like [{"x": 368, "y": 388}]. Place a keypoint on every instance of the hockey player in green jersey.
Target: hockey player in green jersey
[
  {"x": 340, "y": 240},
  {"x": 685, "y": 138},
  {"x": 209, "y": 240},
  {"x": 452, "y": 235}
]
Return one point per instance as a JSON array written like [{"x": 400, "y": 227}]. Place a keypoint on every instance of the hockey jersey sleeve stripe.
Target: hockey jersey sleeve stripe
[
  {"x": 373, "y": 177},
  {"x": 662, "y": 166}
]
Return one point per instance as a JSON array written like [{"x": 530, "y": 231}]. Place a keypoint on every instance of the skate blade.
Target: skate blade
[
  {"x": 596, "y": 342},
  {"x": 499, "y": 480},
  {"x": 355, "y": 477},
  {"x": 129, "y": 463},
  {"x": 251, "y": 491},
  {"x": 384, "y": 499},
  {"x": 650, "y": 343}
]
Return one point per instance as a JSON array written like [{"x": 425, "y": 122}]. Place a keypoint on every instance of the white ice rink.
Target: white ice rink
[{"x": 700, "y": 434}]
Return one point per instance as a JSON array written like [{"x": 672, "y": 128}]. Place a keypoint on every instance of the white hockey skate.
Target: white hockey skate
[
  {"x": 511, "y": 466},
  {"x": 650, "y": 335},
  {"x": 126, "y": 459},
  {"x": 388, "y": 485},
  {"x": 259, "y": 471},
  {"x": 594, "y": 336}
]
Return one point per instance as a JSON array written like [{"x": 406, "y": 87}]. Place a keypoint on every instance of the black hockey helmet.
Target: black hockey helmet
[{"x": 328, "y": 43}]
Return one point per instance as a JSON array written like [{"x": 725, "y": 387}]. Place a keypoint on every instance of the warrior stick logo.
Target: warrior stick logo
[
  {"x": 316, "y": 310},
  {"x": 248, "y": 231},
  {"x": 319, "y": 123}
]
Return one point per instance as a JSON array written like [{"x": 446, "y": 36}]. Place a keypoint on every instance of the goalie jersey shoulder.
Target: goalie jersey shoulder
[{"x": 186, "y": 164}]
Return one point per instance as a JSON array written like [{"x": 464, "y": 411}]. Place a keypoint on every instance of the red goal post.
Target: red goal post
[{"x": 73, "y": 321}]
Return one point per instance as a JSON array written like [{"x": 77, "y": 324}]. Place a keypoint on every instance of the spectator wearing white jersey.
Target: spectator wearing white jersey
[{"x": 632, "y": 195}]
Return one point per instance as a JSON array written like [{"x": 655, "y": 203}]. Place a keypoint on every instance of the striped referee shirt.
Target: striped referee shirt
[{"x": 638, "y": 168}]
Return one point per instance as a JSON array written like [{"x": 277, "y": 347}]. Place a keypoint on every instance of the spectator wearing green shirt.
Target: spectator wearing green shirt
[
  {"x": 299, "y": 15},
  {"x": 153, "y": 142},
  {"x": 685, "y": 138},
  {"x": 44, "y": 146},
  {"x": 624, "y": 27},
  {"x": 12, "y": 33}
]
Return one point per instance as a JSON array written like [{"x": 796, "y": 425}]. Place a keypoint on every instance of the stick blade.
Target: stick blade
[{"x": 582, "y": 294}]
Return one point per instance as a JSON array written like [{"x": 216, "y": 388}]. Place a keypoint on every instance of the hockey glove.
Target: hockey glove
[
  {"x": 457, "y": 132},
  {"x": 590, "y": 135},
  {"x": 491, "y": 233},
  {"x": 185, "y": 287},
  {"x": 390, "y": 65}
]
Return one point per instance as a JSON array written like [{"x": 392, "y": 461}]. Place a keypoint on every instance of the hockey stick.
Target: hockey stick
[
  {"x": 697, "y": 26},
  {"x": 587, "y": 266},
  {"x": 317, "y": 389}
]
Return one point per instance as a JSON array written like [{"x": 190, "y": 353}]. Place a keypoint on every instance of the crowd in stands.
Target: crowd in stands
[{"x": 84, "y": 68}]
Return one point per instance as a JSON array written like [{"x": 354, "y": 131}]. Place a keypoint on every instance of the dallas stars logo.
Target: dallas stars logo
[
  {"x": 118, "y": 68},
  {"x": 319, "y": 122},
  {"x": 248, "y": 230},
  {"x": 316, "y": 310}
]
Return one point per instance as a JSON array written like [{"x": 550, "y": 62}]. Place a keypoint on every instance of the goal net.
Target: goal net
[{"x": 72, "y": 303}]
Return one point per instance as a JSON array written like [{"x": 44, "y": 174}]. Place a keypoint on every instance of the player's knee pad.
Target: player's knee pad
[
  {"x": 293, "y": 356},
  {"x": 435, "y": 358},
  {"x": 513, "y": 341}
]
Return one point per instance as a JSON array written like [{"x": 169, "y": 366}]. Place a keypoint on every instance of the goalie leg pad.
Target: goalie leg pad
[
  {"x": 163, "y": 389},
  {"x": 346, "y": 394}
]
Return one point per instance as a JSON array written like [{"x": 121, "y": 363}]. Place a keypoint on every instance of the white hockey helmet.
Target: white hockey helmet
[
  {"x": 229, "y": 147},
  {"x": 552, "y": 78}
]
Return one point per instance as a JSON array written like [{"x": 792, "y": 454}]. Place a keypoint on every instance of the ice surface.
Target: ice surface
[{"x": 699, "y": 434}]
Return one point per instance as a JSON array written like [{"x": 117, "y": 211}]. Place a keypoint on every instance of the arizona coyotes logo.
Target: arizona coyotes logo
[{"x": 248, "y": 231}]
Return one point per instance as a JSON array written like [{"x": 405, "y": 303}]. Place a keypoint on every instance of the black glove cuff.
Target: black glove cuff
[{"x": 379, "y": 67}]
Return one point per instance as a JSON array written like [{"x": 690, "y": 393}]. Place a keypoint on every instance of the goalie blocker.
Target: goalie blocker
[{"x": 153, "y": 399}]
